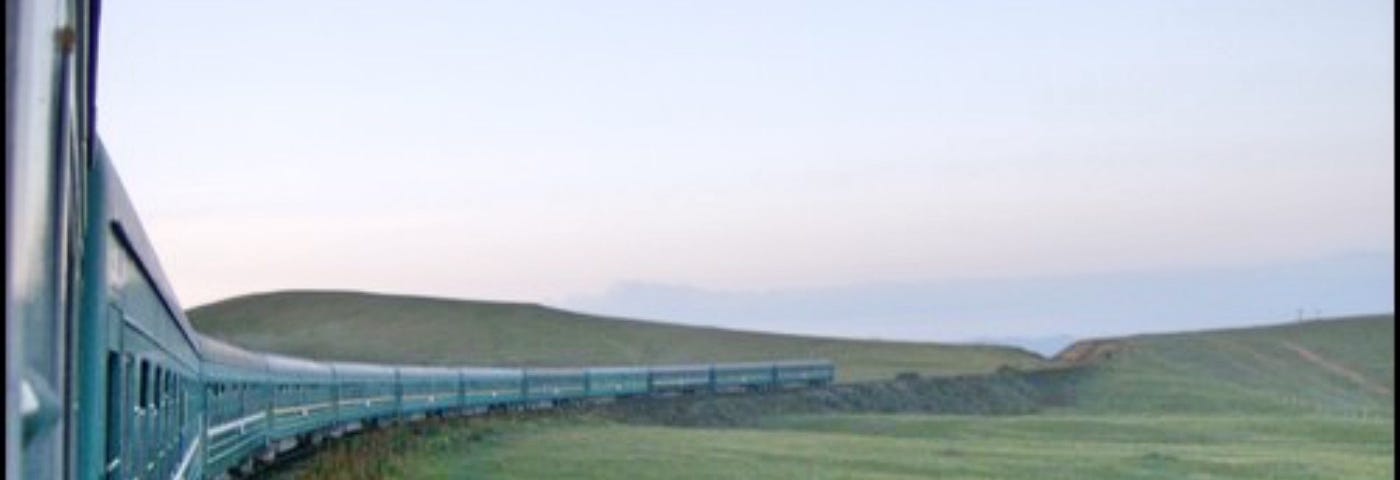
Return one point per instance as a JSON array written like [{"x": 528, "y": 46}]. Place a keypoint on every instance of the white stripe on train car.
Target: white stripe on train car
[
  {"x": 185, "y": 463},
  {"x": 215, "y": 431},
  {"x": 430, "y": 396},
  {"x": 301, "y": 408},
  {"x": 367, "y": 401}
]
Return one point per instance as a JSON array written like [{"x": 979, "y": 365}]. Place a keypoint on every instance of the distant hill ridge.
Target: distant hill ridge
[
  {"x": 1332, "y": 366},
  {"x": 1341, "y": 366},
  {"x": 344, "y": 325}
]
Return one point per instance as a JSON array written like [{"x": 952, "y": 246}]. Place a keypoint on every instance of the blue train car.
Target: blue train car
[
  {"x": 149, "y": 367},
  {"x": 616, "y": 381},
  {"x": 236, "y": 399},
  {"x": 734, "y": 377},
  {"x": 803, "y": 373},
  {"x": 492, "y": 388},
  {"x": 424, "y": 390},
  {"x": 554, "y": 385},
  {"x": 365, "y": 394},
  {"x": 303, "y": 405},
  {"x": 679, "y": 378},
  {"x": 56, "y": 322}
]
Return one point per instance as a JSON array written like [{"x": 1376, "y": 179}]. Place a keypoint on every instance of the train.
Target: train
[{"x": 105, "y": 378}]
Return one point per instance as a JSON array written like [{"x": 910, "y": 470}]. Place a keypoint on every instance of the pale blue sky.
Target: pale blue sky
[{"x": 541, "y": 151}]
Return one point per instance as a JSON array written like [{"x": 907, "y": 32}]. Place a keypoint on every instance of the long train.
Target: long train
[{"x": 104, "y": 376}]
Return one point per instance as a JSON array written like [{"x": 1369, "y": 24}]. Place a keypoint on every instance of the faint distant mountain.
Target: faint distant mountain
[{"x": 1079, "y": 306}]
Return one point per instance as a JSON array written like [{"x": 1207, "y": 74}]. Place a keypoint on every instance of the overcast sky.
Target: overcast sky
[{"x": 541, "y": 151}]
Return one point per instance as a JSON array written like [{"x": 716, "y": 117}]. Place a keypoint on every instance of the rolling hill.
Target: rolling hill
[
  {"x": 338, "y": 325},
  {"x": 1343, "y": 366},
  {"x": 1302, "y": 400},
  {"x": 1335, "y": 366}
]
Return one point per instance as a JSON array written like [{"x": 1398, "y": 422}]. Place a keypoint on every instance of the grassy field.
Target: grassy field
[
  {"x": 1310, "y": 400},
  {"x": 385, "y": 328},
  {"x": 1057, "y": 446},
  {"x": 1333, "y": 367}
]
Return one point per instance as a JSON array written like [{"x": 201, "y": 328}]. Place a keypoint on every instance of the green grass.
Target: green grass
[
  {"x": 1299, "y": 401},
  {"x": 402, "y": 329},
  {"x": 920, "y": 446},
  {"x": 1335, "y": 367},
  {"x": 1309, "y": 400}
]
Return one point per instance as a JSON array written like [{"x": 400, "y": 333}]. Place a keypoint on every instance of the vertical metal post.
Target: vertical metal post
[{"x": 91, "y": 328}]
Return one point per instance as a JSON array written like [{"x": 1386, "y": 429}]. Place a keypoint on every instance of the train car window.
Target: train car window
[
  {"x": 235, "y": 401},
  {"x": 114, "y": 409},
  {"x": 164, "y": 387},
  {"x": 158, "y": 402},
  {"x": 141, "y": 389},
  {"x": 182, "y": 398},
  {"x": 177, "y": 392},
  {"x": 163, "y": 401},
  {"x": 184, "y": 387},
  {"x": 153, "y": 396},
  {"x": 172, "y": 414},
  {"x": 157, "y": 378}
]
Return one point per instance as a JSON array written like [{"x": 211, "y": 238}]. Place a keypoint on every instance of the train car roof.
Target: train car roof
[
  {"x": 425, "y": 371},
  {"x": 490, "y": 372},
  {"x": 679, "y": 368},
  {"x": 361, "y": 370},
  {"x": 227, "y": 354},
  {"x": 744, "y": 365},
  {"x": 122, "y": 215},
  {"x": 803, "y": 363},
  {"x": 617, "y": 369},
  {"x": 282, "y": 364},
  {"x": 554, "y": 371}
]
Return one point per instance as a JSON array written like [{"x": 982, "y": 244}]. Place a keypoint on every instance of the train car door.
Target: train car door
[{"x": 118, "y": 378}]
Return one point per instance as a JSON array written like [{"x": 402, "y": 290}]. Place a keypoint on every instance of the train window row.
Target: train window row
[
  {"x": 230, "y": 401},
  {"x": 155, "y": 385},
  {"x": 222, "y": 388},
  {"x": 157, "y": 400}
]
